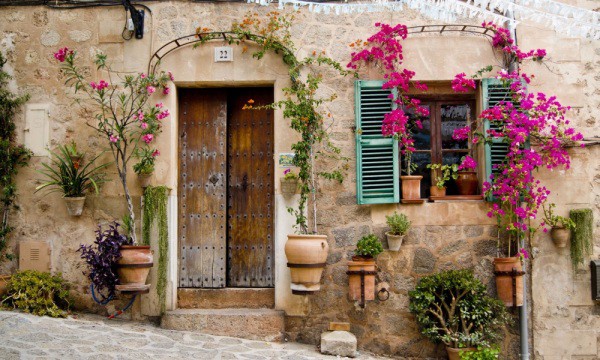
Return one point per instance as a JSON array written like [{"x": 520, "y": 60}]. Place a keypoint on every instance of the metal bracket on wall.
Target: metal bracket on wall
[{"x": 362, "y": 274}]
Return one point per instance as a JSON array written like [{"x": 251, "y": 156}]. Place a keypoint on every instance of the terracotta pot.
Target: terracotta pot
[
  {"x": 394, "y": 241},
  {"x": 436, "y": 191},
  {"x": 454, "y": 353},
  {"x": 134, "y": 265},
  {"x": 306, "y": 256},
  {"x": 504, "y": 283},
  {"x": 289, "y": 186},
  {"x": 3, "y": 285},
  {"x": 560, "y": 236},
  {"x": 144, "y": 180},
  {"x": 75, "y": 205},
  {"x": 411, "y": 187},
  {"x": 354, "y": 280},
  {"x": 467, "y": 183}
]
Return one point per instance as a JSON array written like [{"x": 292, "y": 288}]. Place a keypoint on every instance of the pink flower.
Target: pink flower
[
  {"x": 163, "y": 114},
  {"x": 150, "y": 89},
  {"x": 155, "y": 153},
  {"x": 171, "y": 76},
  {"x": 140, "y": 115},
  {"x": 523, "y": 254},
  {"x": 93, "y": 85},
  {"x": 102, "y": 85},
  {"x": 62, "y": 54},
  {"x": 144, "y": 125},
  {"x": 166, "y": 90},
  {"x": 113, "y": 138},
  {"x": 148, "y": 138},
  {"x": 142, "y": 76},
  {"x": 159, "y": 105},
  {"x": 468, "y": 163},
  {"x": 286, "y": 171},
  {"x": 461, "y": 84}
]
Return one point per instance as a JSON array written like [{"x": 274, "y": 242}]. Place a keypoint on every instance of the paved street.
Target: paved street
[{"x": 25, "y": 336}]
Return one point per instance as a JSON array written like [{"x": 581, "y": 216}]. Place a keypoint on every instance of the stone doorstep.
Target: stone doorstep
[
  {"x": 253, "y": 298},
  {"x": 252, "y": 324}
]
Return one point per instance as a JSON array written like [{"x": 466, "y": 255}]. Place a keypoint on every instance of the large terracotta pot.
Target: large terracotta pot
[
  {"x": 467, "y": 183},
  {"x": 134, "y": 265},
  {"x": 504, "y": 282},
  {"x": 354, "y": 280},
  {"x": 454, "y": 353},
  {"x": 436, "y": 191},
  {"x": 75, "y": 205},
  {"x": 411, "y": 187},
  {"x": 394, "y": 241},
  {"x": 3, "y": 285},
  {"x": 306, "y": 256},
  {"x": 560, "y": 236}
]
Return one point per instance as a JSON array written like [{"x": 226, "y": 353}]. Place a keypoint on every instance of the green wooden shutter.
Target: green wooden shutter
[
  {"x": 377, "y": 165},
  {"x": 495, "y": 153}
]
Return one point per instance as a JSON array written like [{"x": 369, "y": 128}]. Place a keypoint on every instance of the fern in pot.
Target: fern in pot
[{"x": 399, "y": 226}]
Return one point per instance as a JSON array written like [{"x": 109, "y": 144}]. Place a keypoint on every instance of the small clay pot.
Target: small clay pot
[
  {"x": 560, "y": 236},
  {"x": 134, "y": 265},
  {"x": 454, "y": 353},
  {"x": 289, "y": 186},
  {"x": 411, "y": 187},
  {"x": 144, "y": 180},
  {"x": 436, "y": 191},
  {"x": 394, "y": 241},
  {"x": 75, "y": 205}
]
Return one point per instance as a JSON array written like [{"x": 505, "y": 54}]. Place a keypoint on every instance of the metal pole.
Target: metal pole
[{"x": 523, "y": 313}]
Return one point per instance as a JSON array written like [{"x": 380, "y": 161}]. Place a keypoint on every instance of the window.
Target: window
[
  {"x": 378, "y": 158},
  {"x": 434, "y": 143}
]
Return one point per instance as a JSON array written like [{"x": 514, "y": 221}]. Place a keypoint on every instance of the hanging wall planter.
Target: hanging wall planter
[
  {"x": 133, "y": 267},
  {"x": 144, "y": 180},
  {"x": 75, "y": 205},
  {"x": 560, "y": 236},
  {"x": 509, "y": 280},
  {"x": 306, "y": 256},
  {"x": 289, "y": 186}
]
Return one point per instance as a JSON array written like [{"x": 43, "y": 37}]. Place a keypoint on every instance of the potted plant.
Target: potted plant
[
  {"x": 367, "y": 248},
  {"x": 70, "y": 178},
  {"x": 441, "y": 174},
  {"x": 144, "y": 168},
  {"x": 561, "y": 226},
  {"x": 411, "y": 184},
  {"x": 399, "y": 225},
  {"x": 466, "y": 178},
  {"x": 289, "y": 182},
  {"x": 453, "y": 307}
]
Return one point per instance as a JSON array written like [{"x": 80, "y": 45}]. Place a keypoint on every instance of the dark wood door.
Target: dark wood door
[
  {"x": 202, "y": 188},
  {"x": 225, "y": 188},
  {"x": 250, "y": 190}
]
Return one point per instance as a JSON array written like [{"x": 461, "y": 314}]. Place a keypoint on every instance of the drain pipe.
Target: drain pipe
[{"x": 524, "y": 321}]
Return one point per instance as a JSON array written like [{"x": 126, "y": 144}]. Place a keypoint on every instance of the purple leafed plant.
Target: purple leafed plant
[{"x": 101, "y": 258}]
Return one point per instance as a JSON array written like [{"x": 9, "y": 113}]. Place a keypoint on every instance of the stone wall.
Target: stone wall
[{"x": 444, "y": 235}]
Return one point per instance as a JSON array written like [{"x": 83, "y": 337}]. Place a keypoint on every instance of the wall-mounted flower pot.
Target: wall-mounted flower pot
[
  {"x": 454, "y": 353},
  {"x": 134, "y": 265},
  {"x": 355, "y": 267},
  {"x": 394, "y": 241},
  {"x": 75, "y": 205},
  {"x": 144, "y": 180},
  {"x": 505, "y": 270},
  {"x": 436, "y": 191},
  {"x": 411, "y": 187},
  {"x": 560, "y": 236},
  {"x": 289, "y": 186},
  {"x": 306, "y": 256},
  {"x": 467, "y": 183}
]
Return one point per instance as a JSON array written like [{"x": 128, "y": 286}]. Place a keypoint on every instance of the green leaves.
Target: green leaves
[
  {"x": 369, "y": 246},
  {"x": 38, "y": 293}
]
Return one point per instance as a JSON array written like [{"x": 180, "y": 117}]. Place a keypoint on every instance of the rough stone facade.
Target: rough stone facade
[{"x": 564, "y": 320}]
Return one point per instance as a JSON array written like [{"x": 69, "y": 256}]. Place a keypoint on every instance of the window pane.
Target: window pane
[
  {"x": 421, "y": 159},
  {"x": 454, "y": 116},
  {"x": 452, "y": 158},
  {"x": 422, "y": 137}
]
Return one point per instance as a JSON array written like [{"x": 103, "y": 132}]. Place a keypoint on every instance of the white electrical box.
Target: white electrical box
[
  {"x": 223, "y": 53},
  {"x": 37, "y": 131}
]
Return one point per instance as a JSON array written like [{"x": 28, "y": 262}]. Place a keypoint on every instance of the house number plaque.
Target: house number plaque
[{"x": 223, "y": 53}]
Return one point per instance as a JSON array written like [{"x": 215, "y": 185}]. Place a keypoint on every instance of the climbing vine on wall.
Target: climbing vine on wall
[
  {"x": 302, "y": 104},
  {"x": 12, "y": 155},
  {"x": 155, "y": 212}
]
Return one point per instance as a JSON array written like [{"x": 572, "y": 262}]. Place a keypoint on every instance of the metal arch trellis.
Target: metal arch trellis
[
  {"x": 233, "y": 37},
  {"x": 201, "y": 38}
]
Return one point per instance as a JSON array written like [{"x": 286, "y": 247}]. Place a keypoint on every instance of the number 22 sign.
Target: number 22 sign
[{"x": 223, "y": 53}]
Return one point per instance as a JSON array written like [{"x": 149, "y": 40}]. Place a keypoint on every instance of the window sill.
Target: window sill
[{"x": 456, "y": 198}]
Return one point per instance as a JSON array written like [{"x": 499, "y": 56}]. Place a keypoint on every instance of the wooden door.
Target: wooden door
[
  {"x": 250, "y": 190},
  {"x": 202, "y": 190},
  {"x": 225, "y": 188}
]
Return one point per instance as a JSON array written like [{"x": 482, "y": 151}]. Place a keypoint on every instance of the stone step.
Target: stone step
[
  {"x": 255, "y": 298},
  {"x": 252, "y": 324}
]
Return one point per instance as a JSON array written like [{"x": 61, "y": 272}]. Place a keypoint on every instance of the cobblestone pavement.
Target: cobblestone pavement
[{"x": 24, "y": 336}]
